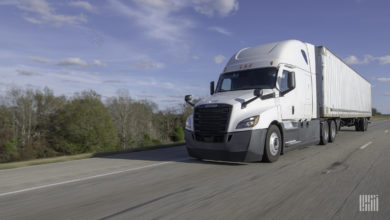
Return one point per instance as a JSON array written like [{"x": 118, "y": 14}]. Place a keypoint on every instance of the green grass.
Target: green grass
[
  {"x": 380, "y": 117},
  {"x": 44, "y": 161},
  {"x": 81, "y": 156}
]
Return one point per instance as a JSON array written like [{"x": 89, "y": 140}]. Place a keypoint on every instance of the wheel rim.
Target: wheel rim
[{"x": 274, "y": 144}]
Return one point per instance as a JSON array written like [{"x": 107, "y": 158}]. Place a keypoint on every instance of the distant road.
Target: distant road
[{"x": 317, "y": 182}]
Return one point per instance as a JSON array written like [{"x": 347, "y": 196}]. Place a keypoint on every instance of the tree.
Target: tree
[
  {"x": 375, "y": 112},
  {"x": 120, "y": 109},
  {"x": 84, "y": 125},
  {"x": 179, "y": 134},
  {"x": 8, "y": 148}
]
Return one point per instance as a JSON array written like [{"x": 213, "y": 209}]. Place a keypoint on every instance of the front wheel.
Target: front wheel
[{"x": 273, "y": 144}]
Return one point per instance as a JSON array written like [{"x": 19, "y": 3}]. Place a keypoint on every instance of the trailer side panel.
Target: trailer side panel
[{"x": 345, "y": 93}]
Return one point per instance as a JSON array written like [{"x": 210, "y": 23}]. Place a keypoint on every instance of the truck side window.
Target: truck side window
[
  {"x": 283, "y": 81},
  {"x": 304, "y": 56},
  {"x": 226, "y": 85}
]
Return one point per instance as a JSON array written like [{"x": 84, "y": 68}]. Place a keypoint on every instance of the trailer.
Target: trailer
[
  {"x": 275, "y": 97},
  {"x": 343, "y": 93}
]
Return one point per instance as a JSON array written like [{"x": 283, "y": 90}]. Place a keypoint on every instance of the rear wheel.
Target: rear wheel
[
  {"x": 273, "y": 144},
  {"x": 332, "y": 130},
  {"x": 324, "y": 132},
  {"x": 358, "y": 124},
  {"x": 365, "y": 124}
]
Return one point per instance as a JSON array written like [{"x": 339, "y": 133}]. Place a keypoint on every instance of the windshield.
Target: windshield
[{"x": 264, "y": 78}]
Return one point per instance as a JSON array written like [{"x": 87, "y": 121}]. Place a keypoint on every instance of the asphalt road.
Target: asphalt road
[{"x": 316, "y": 182}]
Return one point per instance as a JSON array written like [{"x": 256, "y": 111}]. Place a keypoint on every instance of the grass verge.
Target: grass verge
[
  {"x": 380, "y": 117},
  {"x": 81, "y": 156}
]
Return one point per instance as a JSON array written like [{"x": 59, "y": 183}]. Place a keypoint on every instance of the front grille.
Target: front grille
[{"x": 211, "y": 122}]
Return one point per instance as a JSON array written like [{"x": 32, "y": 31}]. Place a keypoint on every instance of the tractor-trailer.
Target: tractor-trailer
[{"x": 275, "y": 97}]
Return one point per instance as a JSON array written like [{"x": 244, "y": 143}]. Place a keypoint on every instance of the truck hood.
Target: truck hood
[{"x": 232, "y": 97}]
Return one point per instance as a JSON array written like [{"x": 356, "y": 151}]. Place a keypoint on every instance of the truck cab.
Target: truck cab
[{"x": 265, "y": 101}]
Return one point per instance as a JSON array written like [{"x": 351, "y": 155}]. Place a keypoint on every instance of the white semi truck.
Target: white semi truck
[{"x": 275, "y": 97}]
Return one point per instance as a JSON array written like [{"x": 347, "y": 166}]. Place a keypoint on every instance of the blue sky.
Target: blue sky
[{"x": 163, "y": 49}]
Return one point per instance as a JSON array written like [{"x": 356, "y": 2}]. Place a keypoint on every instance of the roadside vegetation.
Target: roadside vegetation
[
  {"x": 37, "y": 124},
  {"x": 378, "y": 116}
]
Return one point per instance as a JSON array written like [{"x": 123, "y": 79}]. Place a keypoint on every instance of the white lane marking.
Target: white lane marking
[
  {"x": 366, "y": 145},
  {"x": 386, "y": 131},
  {"x": 87, "y": 178}
]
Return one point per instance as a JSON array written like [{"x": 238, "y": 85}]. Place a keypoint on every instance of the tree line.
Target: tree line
[{"x": 38, "y": 124}]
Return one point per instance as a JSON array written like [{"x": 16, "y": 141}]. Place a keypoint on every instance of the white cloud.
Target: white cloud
[
  {"x": 220, "y": 30},
  {"x": 195, "y": 57},
  {"x": 386, "y": 94},
  {"x": 84, "y": 5},
  {"x": 211, "y": 7},
  {"x": 160, "y": 18},
  {"x": 219, "y": 59},
  {"x": 156, "y": 18},
  {"x": 151, "y": 82},
  {"x": 162, "y": 4},
  {"x": 384, "y": 59},
  {"x": 383, "y": 79},
  {"x": 98, "y": 63},
  {"x": 26, "y": 72},
  {"x": 73, "y": 61},
  {"x": 38, "y": 59},
  {"x": 40, "y": 12},
  {"x": 353, "y": 60},
  {"x": 147, "y": 64}
]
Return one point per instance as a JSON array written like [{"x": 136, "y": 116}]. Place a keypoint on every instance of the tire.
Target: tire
[
  {"x": 273, "y": 144},
  {"x": 361, "y": 124},
  {"x": 365, "y": 124},
  {"x": 332, "y": 130},
  {"x": 358, "y": 124},
  {"x": 324, "y": 133},
  {"x": 338, "y": 126}
]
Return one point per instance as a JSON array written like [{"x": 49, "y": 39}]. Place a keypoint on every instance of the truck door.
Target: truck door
[
  {"x": 287, "y": 97},
  {"x": 308, "y": 96}
]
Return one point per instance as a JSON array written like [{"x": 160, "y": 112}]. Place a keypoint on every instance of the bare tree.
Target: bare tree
[{"x": 120, "y": 109}]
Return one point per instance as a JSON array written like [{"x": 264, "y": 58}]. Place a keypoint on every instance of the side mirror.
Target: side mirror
[
  {"x": 188, "y": 99},
  {"x": 212, "y": 88},
  {"x": 258, "y": 92},
  {"x": 291, "y": 80}
]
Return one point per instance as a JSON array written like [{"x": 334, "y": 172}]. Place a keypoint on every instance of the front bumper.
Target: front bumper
[{"x": 243, "y": 146}]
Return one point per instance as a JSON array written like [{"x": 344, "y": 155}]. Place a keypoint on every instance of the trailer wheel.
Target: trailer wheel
[
  {"x": 365, "y": 124},
  {"x": 324, "y": 132},
  {"x": 361, "y": 125},
  {"x": 358, "y": 124},
  {"x": 273, "y": 144},
  {"x": 332, "y": 130}
]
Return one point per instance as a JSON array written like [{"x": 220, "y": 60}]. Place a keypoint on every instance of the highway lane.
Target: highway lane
[{"x": 316, "y": 182}]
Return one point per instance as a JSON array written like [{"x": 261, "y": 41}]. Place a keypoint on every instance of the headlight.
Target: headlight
[
  {"x": 248, "y": 123},
  {"x": 189, "y": 123}
]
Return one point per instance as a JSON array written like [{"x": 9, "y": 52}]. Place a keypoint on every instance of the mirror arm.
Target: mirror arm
[
  {"x": 190, "y": 103},
  {"x": 244, "y": 104}
]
